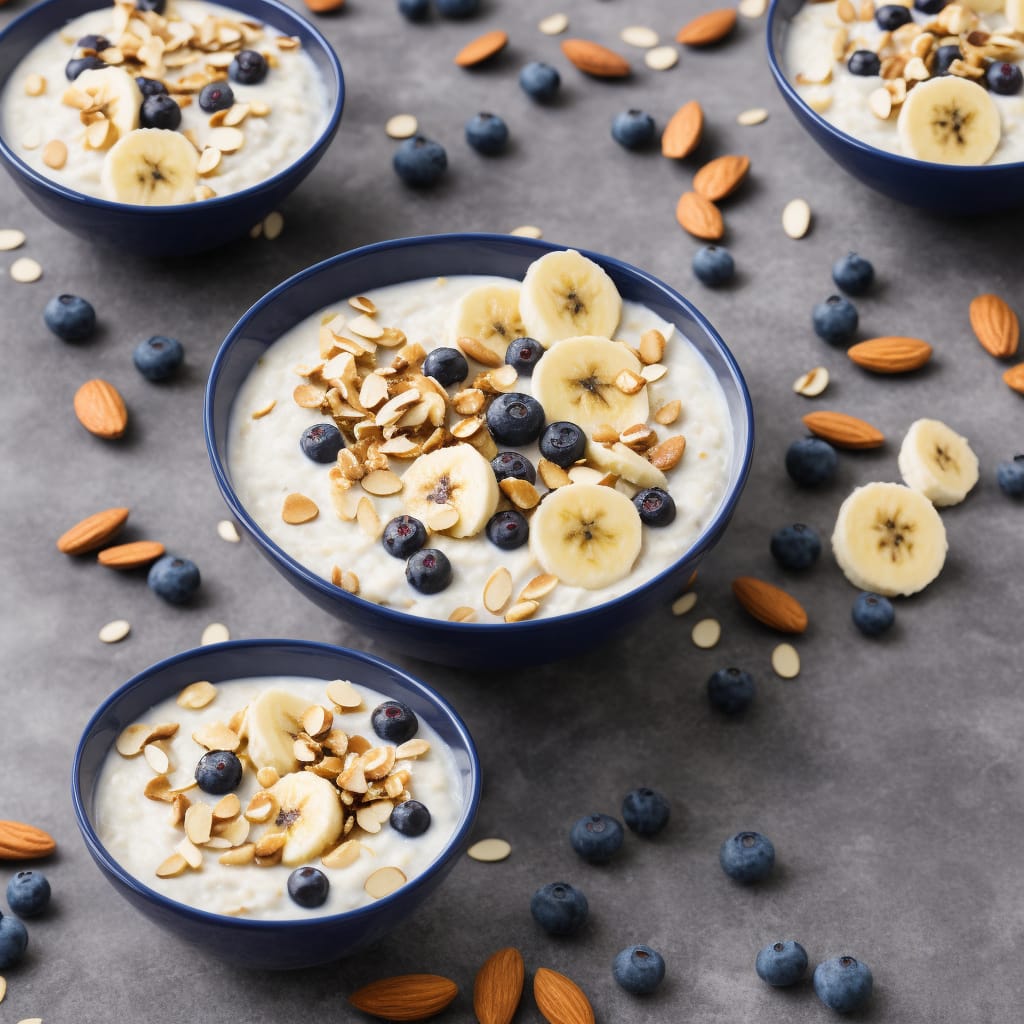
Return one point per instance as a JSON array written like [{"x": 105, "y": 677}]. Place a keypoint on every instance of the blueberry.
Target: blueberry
[
  {"x": 13, "y": 941},
  {"x": 218, "y": 772},
  {"x": 515, "y": 419},
  {"x": 563, "y": 443},
  {"x": 559, "y": 908},
  {"x": 156, "y": 6},
  {"x": 508, "y": 529},
  {"x": 596, "y": 838},
  {"x": 321, "y": 442},
  {"x": 1004, "y": 78},
  {"x": 539, "y": 81},
  {"x": 656, "y": 506},
  {"x": 811, "y": 462},
  {"x": 747, "y": 857},
  {"x": 930, "y": 6},
  {"x": 1010, "y": 477},
  {"x": 891, "y": 16},
  {"x": 308, "y": 886},
  {"x": 420, "y": 161},
  {"x": 796, "y": 547},
  {"x": 633, "y": 129},
  {"x": 447, "y": 366},
  {"x": 160, "y": 112},
  {"x": 94, "y": 42},
  {"x": 513, "y": 465},
  {"x": 639, "y": 969},
  {"x": 403, "y": 536},
  {"x": 174, "y": 579},
  {"x": 873, "y": 614},
  {"x": 843, "y": 984},
  {"x": 457, "y": 8},
  {"x": 28, "y": 893},
  {"x": 645, "y": 811},
  {"x": 523, "y": 354},
  {"x": 864, "y": 62},
  {"x": 414, "y": 10},
  {"x": 157, "y": 358},
  {"x": 731, "y": 690},
  {"x": 70, "y": 317},
  {"x": 853, "y": 274},
  {"x": 248, "y": 68},
  {"x": 394, "y": 721},
  {"x": 781, "y": 963},
  {"x": 713, "y": 265},
  {"x": 487, "y": 134},
  {"x": 835, "y": 320},
  {"x": 944, "y": 56},
  {"x": 428, "y": 571},
  {"x": 151, "y": 86},
  {"x": 410, "y": 818},
  {"x": 75, "y": 67},
  {"x": 216, "y": 96}
]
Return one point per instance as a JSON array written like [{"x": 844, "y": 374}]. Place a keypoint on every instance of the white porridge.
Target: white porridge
[
  {"x": 318, "y": 789},
  {"x": 654, "y": 416},
  {"x": 233, "y": 103},
  {"x": 900, "y": 100}
]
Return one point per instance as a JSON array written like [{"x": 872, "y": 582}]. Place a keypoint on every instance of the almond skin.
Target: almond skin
[
  {"x": 560, "y": 1000},
  {"x": 595, "y": 59},
  {"x": 92, "y": 532},
  {"x": 843, "y": 431},
  {"x": 405, "y": 996},
  {"x": 482, "y": 48},
  {"x": 699, "y": 216},
  {"x": 499, "y": 987},
  {"x": 1014, "y": 378},
  {"x": 131, "y": 556},
  {"x": 708, "y": 28},
  {"x": 19, "y": 841},
  {"x": 100, "y": 409},
  {"x": 891, "y": 354},
  {"x": 324, "y": 6},
  {"x": 770, "y": 605},
  {"x": 683, "y": 132},
  {"x": 720, "y": 177},
  {"x": 995, "y": 325}
]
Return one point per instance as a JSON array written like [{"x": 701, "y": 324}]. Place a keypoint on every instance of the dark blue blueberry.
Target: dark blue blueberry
[
  {"x": 70, "y": 317},
  {"x": 414, "y": 10},
  {"x": 633, "y": 129},
  {"x": 796, "y": 547},
  {"x": 747, "y": 857},
  {"x": 891, "y": 16},
  {"x": 321, "y": 442},
  {"x": 596, "y": 838},
  {"x": 843, "y": 984},
  {"x": 944, "y": 56},
  {"x": 873, "y": 614},
  {"x": 811, "y": 462},
  {"x": 457, "y": 8},
  {"x": 639, "y": 969},
  {"x": 645, "y": 811},
  {"x": 508, "y": 529},
  {"x": 835, "y": 320},
  {"x": 930, "y": 6},
  {"x": 513, "y": 465},
  {"x": 853, "y": 274},
  {"x": 487, "y": 134},
  {"x": 523, "y": 354},
  {"x": 174, "y": 579},
  {"x": 447, "y": 366},
  {"x": 420, "y": 161},
  {"x": 410, "y": 818},
  {"x": 77, "y": 65},
  {"x": 160, "y": 111},
  {"x": 151, "y": 86},
  {"x": 713, "y": 265},
  {"x": 394, "y": 721},
  {"x": 1004, "y": 78},
  {"x": 539, "y": 81},
  {"x": 1010, "y": 477},
  {"x": 731, "y": 690},
  {"x": 216, "y": 96},
  {"x": 13, "y": 941},
  {"x": 218, "y": 772},
  {"x": 94, "y": 42},
  {"x": 563, "y": 443},
  {"x": 515, "y": 419},
  {"x": 428, "y": 571},
  {"x": 156, "y": 6},
  {"x": 403, "y": 536},
  {"x": 864, "y": 62},
  {"x": 157, "y": 358},
  {"x": 308, "y": 886},
  {"x": 656, "y": 506},
  {"x": 559, "y": 908},
  {"x": 28, "y": 893},
  {"x": 248, "y": 68},
  {"x": 782, "y": 963}
]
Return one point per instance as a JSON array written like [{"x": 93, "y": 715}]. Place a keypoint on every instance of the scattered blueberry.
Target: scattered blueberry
[
  {"x": 796, "y": 547},
  {"x": 487, "y": 134},
  {"x": 811, "y": 462},
  {"x": 151, "y": 86},
  {"x": 394, "y": 721},
  {"x": 410, "y": 818},
  {"x": 930, "y": 6},
  {"x": 457, "y": 8},
  {"x": 639, "y": 969},
  {"x": 308, "y": 886},
  {"x": 508, "y": 529},
  {"x": 523, "y": 354},
  {"x": 781, "y": 963},
  {"x": 891, "y": 16},
  {"x": 1010, "y": 477},
  {"x": 158, "y": 357},
  {"x": 420, "y": 161},
  {"x": 515, "y": 419},
  {"x": 447, "y": 366},
  {"x": 429, "y": 571},
  {"x": 835, "y": 320},
  {"x": 28, "y": 893},
  {"x": 70, "y": 317},
  {"x": 656, "y": 506},
  {"x": 645, "y": 811},
  {"x": 414, "y": 10},
  {"x": 1004, "y": 78},
  {"x": 13, "y": 941},
  {"x": 216, "y": 96},
  {"x": 596, "y": 838},
  {"x": 713, "y": 265},
  {"x": 539, "y": 81},
  {"x": 156, "y": 6},
  {"x": 864, "y": 62},
  {"x": 944, "y": 56},
  {"x": 559, "y": 908},
  {"x": 843, "y": 984},
  {"x": 77, "y": 65},
  {"x": 248, "y": 68},
  {"x": 403, "y": 536},
  {"x": 94, "y": 42},
  {"x": 854, "y": 274},
  {"x": 160, "y": 112},
  {"x": 563, "y": 443},
  {"x": 174, "y": 579},
  {"x": 513, "y": 465},
  {"x": 747, "y": 857},
  {"x": 218, "y": 772},
  {"x": 321, "y": 442},
  {"x": 633, "y": 129},
  {"x": 873, "y": 614},
  {"x": 731, "y": 690}
]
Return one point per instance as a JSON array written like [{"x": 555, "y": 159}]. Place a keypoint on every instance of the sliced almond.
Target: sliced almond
[
  {"x": 667, "y": 454},
  {"x": 490, "y": 851},
  {"x": 553, "y": 475},
  {"x": 628, "y": 382},
  {"x": 262, "y": 807},
  {"x": 172, "y": 867},
  {"x": 196, "y": 695},
  {"x": 157, "y": 759},
  {"x": 344, "y": 695},
  {"x": 521, "y": 493},
  {"x": 667, "y": 414},
  {"x": 381, "y": 482},
  {"x": 479, "y": 352},
  {"x": 228, "y": 807},
  {"x": 498, "y": 589},
  {"x": 796, "y": 218},
  {"x": 244, "y": 854},
  {"x": 462, "y": 614},
  {"x": 539, "y": 587},
  {"x": 216, "y": 736},
  {"x": 384, "y": 881},
  {"x": 521, "y": 611},
  {"x": 413, "y": 748},
  {"x": 812, "y": 383},
  {"x": 298, "y": 509},
  {"x": 342, "y": 856},
  {"x": 199, "y": 823}
]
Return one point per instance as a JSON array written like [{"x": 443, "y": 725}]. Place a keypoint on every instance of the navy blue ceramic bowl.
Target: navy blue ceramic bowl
[
  {"x": 158, "y": 231},
  {"x": 940, "y": 187},
  {"x": 408, "y": 259},
  {"x": 271, "y": 944}
]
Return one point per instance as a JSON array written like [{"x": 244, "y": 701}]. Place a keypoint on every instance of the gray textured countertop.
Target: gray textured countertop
[{"x": 888, "y": 774}]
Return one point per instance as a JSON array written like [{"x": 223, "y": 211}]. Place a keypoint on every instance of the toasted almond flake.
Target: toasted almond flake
[
  {"x": 26, "y": 271},
  {"x": 684, "y": 603},
  {"x": 133, "y": 738},
  {"x": 812, "y": 383},
  {"x": 209, "y": 160},
  {"x": 363, "y": 304},
  {"x": 751, "y": 117},
  {"x": 35, "y": 85},
  {"x": 527, "y": 231},
  {"x": 478, "y": 351},
  {"x": 415, "y": 747},
  {"x": 539, "y": 587},
  {"x": 157, "y": 759},
  {"x": 628, "y": 382},
  {"x": 55, "y": 154},
  {"x": 652, "y": 347},
  {"x": 114, "y": 632},
  {"x": 159, "y": 788},
  {"x": 553, "y": 475},
  {"x": 381, "y": 482},
  {"x": 172, "y": 867},
  {"x": 819, "y": 99},
  {"x": 786, "y": 661},
  {"x": 216, "y": 736},
  {"x": 273, "y": 224},
  {"x": 497, "y": 590},
  {"x": 264, "y": 410},
  {"x": 342, "y": 856},
  {"x": 227, "y": 531},
  {"x": 441, "y": 517},
  {"x": 261, "y": 807},
  {"x": 463, "y": 614},
  {"x": 796, "y": 218},
  {"x": 489, "y": 851},
  {"x": 668, "y": 413},
  {"x": 11, "y": 238},
  {"x": 344, "y": 695},
  {"x": 521, "y": 611},
  {"x": 100, "y": 134},
  {"x": 401, "y": 126},
  {"x": 554, "y": 24},
  {"x": 915, "y": 70},
  {"x": 215, "y": 633},
  {"x": 654, "y": 372},
  {"x": 661, "y": 58},
  {"x": 227, "y": 807},
  {"x": 752, "y": 8},
  {"x": 706, "y": 633},
  {"x": 365, "y": 327},
  {"x": 384, "y": 881},
  {"x": 298, "y": 509},
  {"x": 640, "y": 36},
  {"x": 231, "y": 140},
  {"x": 369, "y": 521},
  {"x": 236, "y": 114},
  {"x": 244, "y": 854},
  {"x": 521, "y": 493},
  {"x": 198, "y": 823}
]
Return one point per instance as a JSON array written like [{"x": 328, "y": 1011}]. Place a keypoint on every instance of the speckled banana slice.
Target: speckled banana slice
[
  {"x": 490, "y": 314},
  {"x": 151, "y": 167},
  {"x": 458, "y": 476},
  {"x": 565, "y": 295},
  {"x": 949, "y": 120},
  {"x": 116, "y": 90},
  {"x": 935, "y": 460},
  {"x": 889, "y": 539},
  {"x": 271, "y": 722},
  {"x": 310, "y": 815},
  {"x": 625, "y": 463}
]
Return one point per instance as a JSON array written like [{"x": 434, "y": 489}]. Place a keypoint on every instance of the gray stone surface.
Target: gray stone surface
[{"x": 888, "y": 774}]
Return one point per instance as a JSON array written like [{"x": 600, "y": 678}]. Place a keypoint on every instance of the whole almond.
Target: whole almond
[
  {"x": 482, "y": 48},
  {"x": 699, "y": 216},
  {"x": 718, "y": 178},
  {"x": 595, "y": 59},
  {"x": 324, "y": 6},
  {"x": 843, "y": 431},
  {"x": 499, "y": 987},
  {"x": 890, "y": 354},
  {"x": 100, "y": 409},
  {"x": 92, "y": 532},
  {"x": 995, "y": 325},
  {"x": 131, "y": 556},
  {"x": 405, "y": 996},
  {"x": 683, "y": 131},
  {"x": 770, "y": 605},
  {"x": 19, "y": 841},
  {"x": 560, "y": 1000},
  {"x": 1014, "y": 378},
  {"x": 708, "y": 28}
]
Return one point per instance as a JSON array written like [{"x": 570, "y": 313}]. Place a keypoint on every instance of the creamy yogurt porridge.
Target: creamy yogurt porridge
[
  {"x": 228, "y": 103},
  {"x": 561, "y": 533},
  {"x": 319, "y": 788},
  {"x": 877, "y": 72}
]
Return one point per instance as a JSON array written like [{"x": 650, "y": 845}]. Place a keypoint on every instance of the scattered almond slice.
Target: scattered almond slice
[
  {"x": 554, "y": 24},
  {"x": 463, "y": 614},
  {"x": 384, "y": 881},
  {"x": 752, "y": 8},
  {"x": 812, "y": 383},
  {"x": 401, "y": 126},
  {"x": 786, "y": 661},
  {"x": 273, "y": 225},
  {"x": 639, "y": 36},
  {"x": 706, "y": 633},
  {"x": 751, "y": 117},
  {"x": 662, "y": 58},
  {"x": 344, "y": 695},
  {"x": 114, "y": 632},
  {"x": 489, "y": 851},
  {"x": 215, "y": 633},
  {"x": 796, "y": 218},
  {"x": 684, "y": 603},
  {"x": 11, "y": 238},
  {"x": 298, "y": 509},
  {"x": 497, "y": 590},
  {"x": 26, "y": 270},
  {"x": 527, "y": 231},
  {"x": 227, "y": 531}
]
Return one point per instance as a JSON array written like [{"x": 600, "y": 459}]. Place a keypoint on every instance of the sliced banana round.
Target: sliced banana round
[
  {"x": 151, "y": 167},
  {"x": 576, "y": 381},
  {"x": 458, "y": 476},
  {"x": 935, "y": 460},
  {"x": 586, "y": 534},
  {"x": 271, "y": 722},
  {"x": 949, "y": 120},
  {"x": 117, "y": 93},
  {"x": 889, "y": 539},
  {"x": 565, "y": 295},
  {"x": 490, "y": 314},
  {"x": 625, "y": 463},
  {"x": 310, "y": 813}
]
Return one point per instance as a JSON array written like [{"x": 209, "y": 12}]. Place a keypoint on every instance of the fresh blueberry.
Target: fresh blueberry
[
  {"x": 308, "y": 886},
  {"x": 891, "y": 16},
  {"x": 796, "y": 547},
  {"x": 94, "y": 42},
  {"x": 403, "y": 536},
  {"x": 713, "y": 265},
  {"x": 633, "y": 129},
  {"x": 559, "y": 908},
  {"x": 174, "y": 579},
  {"x": 596, "y": 838},
  {"x": 747, "y": 857},
  {"x": 853, "y": 274},
  {"x": 930, "y": 6},
  {"x": 843, "y": 984},
  {"x": 160, "y": 111},
  {"x": 1010, "y": 477},
  {"x": 835, "y": 320},
  {"x": 781, "y": 963},
  {"x": 321, "y": 442},
  {"x": 157, "y": 358},
  {"x": 428, "y": 571},
  {"x": 563, "y": 443},
  {"x": 873, "y": 614},
  {"x": 410, "y": 818},
  {"x": 216, "y": 96},
  {"x": 645, "y": 811},
  {"x": 70, "y": 317},
  {"x": 13, "y": 941},
  {"x": 731, "y": 690},
  {"x": 539, "y": 81},
  {"x": 457, "y": 8},
  {"x": 156, "y": 6},
  {"x": 944, "y": 56},
  {"x": 394, "y": 721},
  {"x": 1004, "y": 78},
  {"x": 656, "y": 506},
  {"x": 414, "y": 10},
  {"x": 77, "y": 65},
  {"x": 864, "y": 62},
  {"x": 248, "y": 68},
  {"x": 515, "y": 419},
  {"x": 523, "y": 354},
  {"x": 811, "y": 462},
  {"x": 639, "y": 969},
  {"x": 513, "y": 465},
  {"x": 420, "y": 161},
  {"x": 151, "y": 86},
  {"x": 508, "y": 529},
  {"x": 447, "y": 366},
  {"x": 28, "y": 893},
  {"x": 487, "y": 134},
  {"x": 218, "y": 772}
]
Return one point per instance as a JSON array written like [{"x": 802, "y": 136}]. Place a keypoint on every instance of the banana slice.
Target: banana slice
[
  {"x": 272, "y": 720},
  {"x": 889, "y": 539},
  {"x": 1015, "y": 14},
  {"x": 151, "y": 167},
  {"x": 458, "y": 476},
  {"x": 310, "y": 813},
  {"x": 625, "y": 462},
  {"x": 586, "y": 534},
  {"x": 575, "y": 381},
  {"x": 490, "y": 314},
  {"x": 565, "y": 295},
  {"x": 949, "y": 120},
  {"x": 935, "y": 460},
  {"x": 116, "y": 90},
  {"x": 987, "y": 6}
]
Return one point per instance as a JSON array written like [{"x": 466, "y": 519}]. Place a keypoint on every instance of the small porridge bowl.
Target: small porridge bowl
[
  {"x": 177, "y": 230},
  {"x": 271, "y": 944},
  {"x": 468, "y": 644},
  {"x": 943, "y": 188}
]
